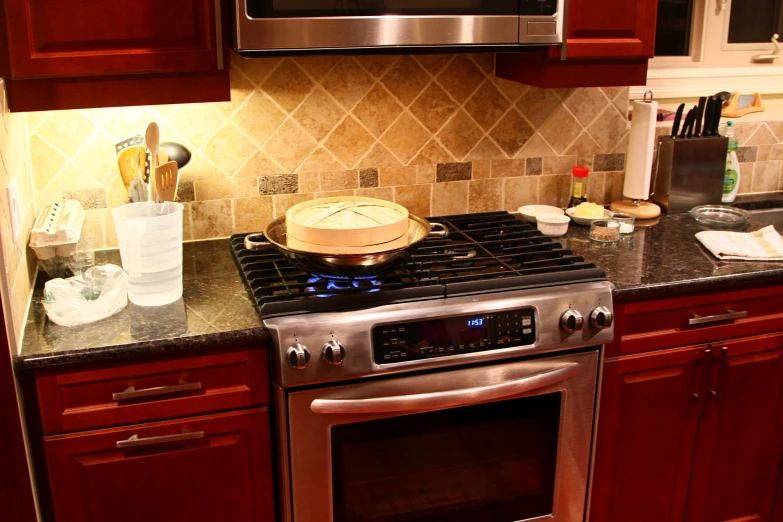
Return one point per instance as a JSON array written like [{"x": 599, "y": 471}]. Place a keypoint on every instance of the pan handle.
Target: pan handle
[
  {"x": 257, "y": 242},
  {"x": 441, "y": 232}
]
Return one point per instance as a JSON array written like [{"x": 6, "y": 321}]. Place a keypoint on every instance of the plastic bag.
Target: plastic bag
[{"x": 97, "y": 293}]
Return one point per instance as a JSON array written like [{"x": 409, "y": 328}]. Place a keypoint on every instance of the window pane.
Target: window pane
[
  {"x": 489, "y": 462},
  {"x": 673, "y": 36},
  {"x": 754, "y": 20}
]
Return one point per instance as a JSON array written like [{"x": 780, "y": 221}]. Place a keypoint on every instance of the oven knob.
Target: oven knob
[
  {"x": 297, "y": 356},
  {"x": 333, "y": 352},
  {"x": 601, "y": 317},
  {"x": 572, "y": 321}
]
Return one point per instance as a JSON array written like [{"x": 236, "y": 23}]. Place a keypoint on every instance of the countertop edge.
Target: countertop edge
[
  {"x": 702, "y": 284},
  {"x": 173, "y": 346}
]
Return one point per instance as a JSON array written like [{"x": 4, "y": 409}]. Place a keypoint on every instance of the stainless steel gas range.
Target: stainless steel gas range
[{"x": 461, "y": 387}]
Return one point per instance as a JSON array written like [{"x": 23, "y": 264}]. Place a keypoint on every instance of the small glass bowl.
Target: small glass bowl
[
  {"x": 626, "y": 221},
  {"x": 605, "y": 230}
]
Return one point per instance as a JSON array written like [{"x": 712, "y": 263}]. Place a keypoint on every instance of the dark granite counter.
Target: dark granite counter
[
  {"x": 666, "y": 258},
  {"x": 214, "y": 310}
]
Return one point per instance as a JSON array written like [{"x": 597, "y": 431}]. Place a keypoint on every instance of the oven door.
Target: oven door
[
  {"x": 361, "y": 24},
  {"x": 500, "y": 443}
]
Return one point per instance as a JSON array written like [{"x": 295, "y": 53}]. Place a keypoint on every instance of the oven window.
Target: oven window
[
  {"x": 318, "y": 8},
  {"x": 492, "y": 463}
]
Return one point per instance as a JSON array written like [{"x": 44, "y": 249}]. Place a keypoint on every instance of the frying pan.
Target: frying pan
[{"x": 345, "y": 262}]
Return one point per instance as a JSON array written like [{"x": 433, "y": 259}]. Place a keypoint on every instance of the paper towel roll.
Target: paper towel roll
[{"x": 639, "y": 160}]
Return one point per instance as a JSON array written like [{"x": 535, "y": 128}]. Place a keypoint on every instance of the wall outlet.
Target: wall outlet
[{"x": 14, "y": 208}]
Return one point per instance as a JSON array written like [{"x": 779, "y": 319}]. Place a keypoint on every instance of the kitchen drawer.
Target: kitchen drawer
[
  {"x": 209, "y": 468},
  {"x": 98, "y": 397},
  {"x": 646, "y": 326}
]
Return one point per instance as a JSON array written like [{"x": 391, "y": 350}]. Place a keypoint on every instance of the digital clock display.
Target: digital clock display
[{"x": 476, "y": 322}]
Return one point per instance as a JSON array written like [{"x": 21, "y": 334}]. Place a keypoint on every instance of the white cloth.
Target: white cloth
[{"x": 761, "y": 245}]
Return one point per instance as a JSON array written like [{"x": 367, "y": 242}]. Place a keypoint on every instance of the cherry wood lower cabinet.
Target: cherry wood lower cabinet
[
  {"x": 692, "y": 434},
  {"x": 200, "y": 469}
]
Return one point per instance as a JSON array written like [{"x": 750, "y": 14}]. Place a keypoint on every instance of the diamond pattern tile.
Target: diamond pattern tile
[
  {"x": 66, "y": 130},
  {"x": 560, "y": 130},
  {"x": 376, "y": 65},
  {"x": 405, "y": 80},
  {"x": 241, "y": 88},
  {"x": 288, "y": 85},
  {"x": 432, "y": 153},
  {"x": 433, "y": 63},
  {"x": 434, "y": 107},
  {"x": 405, "y": 137},
  {"x": 538, "y": 104},
  {"x": 318, "y": 114},
  {"x": 259, "y": 117},
  {"x": 460, "y": 135},
  {"x": 512, "y": 132},
  {"x": 487, "y": 105},
  {"x": 608, "y": 128},
  {"x": 349, "y": 141},
  {"x": 377, "y": 110},
  {"x": 461, "y": 78},
  {"x": 317, "y": 66},
  {"x": 228, "y": 147},
  {"x": 586, "y": 104},
  {"x": 348, "y": 82},
  {"x": 256, "y": 69},
  {"x": 289, "y": 145}
]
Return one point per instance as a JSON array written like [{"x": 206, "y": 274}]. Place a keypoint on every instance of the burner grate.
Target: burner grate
[{"x": 484, "y": 252}]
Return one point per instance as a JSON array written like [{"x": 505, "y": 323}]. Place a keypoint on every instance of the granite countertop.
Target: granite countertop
[
  {"x": 664, "y": 259},
  {"x": 214, "y": 310}
]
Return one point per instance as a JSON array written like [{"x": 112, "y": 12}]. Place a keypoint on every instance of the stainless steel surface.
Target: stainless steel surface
[
  {"x": 354, "y": 330},
  {"x": 297, "y": 356},
  {"x": 728, "y": 316},
  {"x": 309, "y": 432},
  {"x": 689, "y": 172},
  {"x": 333, "y": 352},
  {"x": 446, "y": 399},
  {"x": 134, "y": 441},
  {"x": 601, "y": 318},
  {"x": 354, "y": 261},
  {"x": 367, "y": 32},
  {"x": 177, "y": 152},
  {"x": 572, "y": 321},
  {"x": 133, "y": 393}
]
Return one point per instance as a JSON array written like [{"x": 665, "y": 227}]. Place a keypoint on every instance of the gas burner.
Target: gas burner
[{"x": 336, "y": 286}]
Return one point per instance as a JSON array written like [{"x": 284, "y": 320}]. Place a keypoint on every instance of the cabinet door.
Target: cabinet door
[
  {"x": 740, "y": 444},
  {"x": 66, "y": 38},
  {"x": 201, "y": 469},
  {"x": 611, "y": 28},
  {"x": 646, "y": 434}
]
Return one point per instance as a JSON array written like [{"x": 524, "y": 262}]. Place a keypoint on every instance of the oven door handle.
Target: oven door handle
[{"x": 446, "y": 399}]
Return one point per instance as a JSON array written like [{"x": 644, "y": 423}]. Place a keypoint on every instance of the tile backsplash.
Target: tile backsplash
[{"x": 436, "y": 133}]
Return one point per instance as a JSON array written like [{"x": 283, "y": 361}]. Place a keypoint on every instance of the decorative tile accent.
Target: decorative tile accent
[
  {"x": 609, "y": 162},
  {"x": 454, "y": 172},
  {"x": 534, "y": 166},
  {"x": 186, "y": 191},
  {"x": 368, "y": 178},
  {"x": 747, "y": 154},
  {"x": 285, "y": 184}
]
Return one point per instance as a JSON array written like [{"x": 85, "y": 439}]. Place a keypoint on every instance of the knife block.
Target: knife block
[{"x": 689, "y": 172}]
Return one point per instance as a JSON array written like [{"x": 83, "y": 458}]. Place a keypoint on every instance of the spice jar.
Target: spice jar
[
  {"x": 605, "y": 230},
  {"x": 579, "y": 185},
  {"x": 626, "y": 221}
]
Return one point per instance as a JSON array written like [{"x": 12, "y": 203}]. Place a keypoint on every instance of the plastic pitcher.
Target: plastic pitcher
[{"x": 150, "y": 239}]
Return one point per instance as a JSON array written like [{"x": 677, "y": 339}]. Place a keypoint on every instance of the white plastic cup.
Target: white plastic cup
[{"x": 150, "y": 240}]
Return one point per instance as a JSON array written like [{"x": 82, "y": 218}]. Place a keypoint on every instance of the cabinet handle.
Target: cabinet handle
[
  {"x": 134, "y": 441},
  {"x": 722, "y": 356},
  {"x": 728, "y": 316},
  {"x": 133, "y": 393}
]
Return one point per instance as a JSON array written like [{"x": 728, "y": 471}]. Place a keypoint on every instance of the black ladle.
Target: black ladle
[{"x": 178, "y": 153}]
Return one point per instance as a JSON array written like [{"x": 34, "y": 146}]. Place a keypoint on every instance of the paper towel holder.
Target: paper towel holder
[{"x": 639, "y": 206}]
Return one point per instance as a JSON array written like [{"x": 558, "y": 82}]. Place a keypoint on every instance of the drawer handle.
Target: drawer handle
[
  {"x": 133, "y": 393},
  {"x": 135, "y": 441},
  {"x": 728, "y": 316}
]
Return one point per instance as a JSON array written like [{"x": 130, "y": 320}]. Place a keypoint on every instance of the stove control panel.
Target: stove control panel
[{"x": 394, "y": 343}]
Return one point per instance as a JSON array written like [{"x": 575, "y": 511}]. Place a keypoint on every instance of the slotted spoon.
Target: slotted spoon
[{"x": 166, "y": 177}]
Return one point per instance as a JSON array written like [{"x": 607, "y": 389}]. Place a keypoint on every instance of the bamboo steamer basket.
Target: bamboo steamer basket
[{"x": 346, "y": 222}]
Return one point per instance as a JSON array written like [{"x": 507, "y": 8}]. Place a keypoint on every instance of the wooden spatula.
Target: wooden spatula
[
  {"x": 132, "y": 161},
  {"x": 166, "y": 177}
]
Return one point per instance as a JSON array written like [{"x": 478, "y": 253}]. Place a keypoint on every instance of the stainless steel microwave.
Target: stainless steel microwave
[{"x": 323, "y": 25}]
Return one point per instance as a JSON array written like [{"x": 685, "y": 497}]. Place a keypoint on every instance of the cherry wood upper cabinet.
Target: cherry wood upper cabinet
[
  {"x": 95, "y": 37},
  {"x": 200, "y": 469},
  {"x": 611, "y": 29},
  {"x": 740, "y": 443},
  {"x": 71, "y": 54},
  {"x": 646, "y": 435}
]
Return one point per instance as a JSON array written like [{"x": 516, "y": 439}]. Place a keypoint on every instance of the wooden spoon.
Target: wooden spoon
[
  {"x": 166, "y": 177},
  {"x": 152, "y": 139}
]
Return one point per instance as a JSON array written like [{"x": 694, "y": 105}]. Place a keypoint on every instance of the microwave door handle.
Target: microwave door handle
[{"x": 445, "y": 399}]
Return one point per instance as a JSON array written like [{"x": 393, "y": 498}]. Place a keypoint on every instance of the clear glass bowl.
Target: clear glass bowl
[
  {"x": 605, "y": 230},
  {"x": 720, "y": 215},
  {"x": 626, "y": 221}
]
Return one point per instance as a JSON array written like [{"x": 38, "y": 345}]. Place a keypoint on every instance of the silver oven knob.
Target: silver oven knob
[
  {"x": 572, "y": 321},
  {"x": 333, "y": 352},
  {"x": 601, "y": 317},
  {"x": 297, "y": 356}
]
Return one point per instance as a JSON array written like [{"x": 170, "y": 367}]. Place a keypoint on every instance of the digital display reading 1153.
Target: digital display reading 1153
[{"x": 476, "y": 322}]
